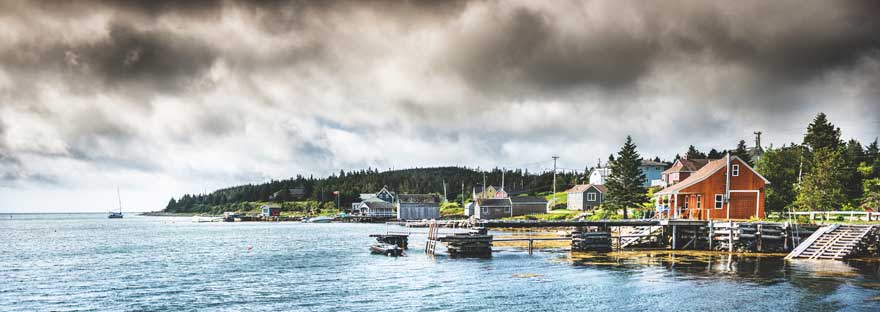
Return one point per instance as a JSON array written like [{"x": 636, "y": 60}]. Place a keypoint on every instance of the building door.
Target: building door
[{"x": 743, "y": 205}]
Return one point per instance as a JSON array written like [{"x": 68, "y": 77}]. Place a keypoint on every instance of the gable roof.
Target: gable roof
[
  {"x": 493, "y": 202},
  {"x": 580, "y": 188},
  {"x": 418, "y": 198},
  {"x": 688, "y": 165},
  {"x": 649, "y": 162},
  {"x": 378, "y": 204},
  {"x": 705, "y": 172},
  {"x": 528, "y": 200}
]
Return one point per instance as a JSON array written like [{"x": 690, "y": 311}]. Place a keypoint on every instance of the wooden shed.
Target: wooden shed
[
  {"x": 526, "y": 205},
  {"x": 584, "y": 197},
  {"x": 418, "y": 206},
  {"x": 702, "y": 194}
]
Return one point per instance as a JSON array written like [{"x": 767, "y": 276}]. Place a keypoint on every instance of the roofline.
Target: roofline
[{"x": 732, "y": 157}]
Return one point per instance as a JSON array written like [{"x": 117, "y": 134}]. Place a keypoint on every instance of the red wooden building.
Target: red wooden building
[{"x": 702, "y": 194}]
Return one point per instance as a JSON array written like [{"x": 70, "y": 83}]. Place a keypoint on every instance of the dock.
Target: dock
[{"x": 838, "y": 242}]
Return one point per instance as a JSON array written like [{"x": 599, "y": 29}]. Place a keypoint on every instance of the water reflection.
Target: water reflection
[{"x": 819, "y": 278}]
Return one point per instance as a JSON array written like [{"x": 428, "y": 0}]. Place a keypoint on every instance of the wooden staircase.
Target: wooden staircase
[
  {"x": 639, "y": 235},
  {"x": 835, "y": 242}
]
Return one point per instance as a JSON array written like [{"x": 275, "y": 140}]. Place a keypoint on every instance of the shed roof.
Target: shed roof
[
  {"x": 528, "y": 200},
  {"x": 418, "y": 198},
  {"x": 580, "y": 188},
  {"x": 649, "y": 162},
  {"x": 493, "y": 202}
]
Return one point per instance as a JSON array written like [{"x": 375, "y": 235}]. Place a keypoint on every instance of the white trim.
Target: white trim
[
  {"x": 699, "y": 201},
  {"x": 591, "y": 196},
  {"x": 717, "y": 201},
  {"x": 752, "y": 169},
  {"x": 734, "y": 170}
]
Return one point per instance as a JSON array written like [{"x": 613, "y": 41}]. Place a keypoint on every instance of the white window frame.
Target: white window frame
[
  {"x": 699, "y": 201},
  {"x": 687, "y": 199},
  {"x": 591, "y": 196},
  {"x": 485, "y": 210},
  {"x": 734, "y": 170},
  {"x": 719, "y": 201}
]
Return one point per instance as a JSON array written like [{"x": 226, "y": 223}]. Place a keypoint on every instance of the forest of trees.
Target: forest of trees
[
  {"x": 822, "y": 173},
  {"x": 351, "y": 184}
]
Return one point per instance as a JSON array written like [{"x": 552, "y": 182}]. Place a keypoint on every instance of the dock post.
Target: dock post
[
  {"x": 711, "y": 233},
  {"x": 758, "y": 236},
  {"x": 674, "y": 235},
  {"x": 530, "y": 246}
]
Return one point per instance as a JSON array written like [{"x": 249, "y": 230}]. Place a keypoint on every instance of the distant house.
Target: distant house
[
  {"x": 492, "y": 208},
  {"x": 584, "y": 197},
  {"x": 384, "y": 195},
  {"x": 599, "y": 175},
  {"x": 702, "y": 194},
  {"x": 681, "y": 169},
  {"x": 294, "y": 193},
  {"x": 484, "y": 192},
  {"x": 418, "y": 206},
  {"x": 375, "y": 207},
  {"x": 267, "y": 211},
  {"x": 526, "y": 205},
  {"x": 652, "y": 170}
]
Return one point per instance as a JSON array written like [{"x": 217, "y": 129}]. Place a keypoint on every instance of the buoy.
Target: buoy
[{"x": 250, "y": 247}]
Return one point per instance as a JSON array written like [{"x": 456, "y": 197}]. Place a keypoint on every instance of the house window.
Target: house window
[
  {"x": 485, "y": 210},
  {"x": 687, "y": 199},
  {"x": 591, "y": 196},
  {"x": 719, "y": 201},
  {"x": 699, "y": 201},
  {"x": 506, "y": 209},
  {"x": 734, "y": 170}
]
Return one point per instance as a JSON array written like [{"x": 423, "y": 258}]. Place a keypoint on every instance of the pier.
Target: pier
[{"x": 802, "y": 241}]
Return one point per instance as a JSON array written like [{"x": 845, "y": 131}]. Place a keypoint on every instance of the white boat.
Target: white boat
[
  {"x": 199, "y": 219},
  {"x": 319, "y": 219},
  {"x": 116, "y": 214}
]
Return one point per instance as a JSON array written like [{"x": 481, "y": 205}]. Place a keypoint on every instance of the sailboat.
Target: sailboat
[{"x": 117, "y": 214}]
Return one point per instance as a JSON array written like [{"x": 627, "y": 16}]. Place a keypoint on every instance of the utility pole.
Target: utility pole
[
  {"x": 444, "y": 191},
  {"x": 462, "y": 195},
  {"x": 502, "y": 178},
  {"x": 553, "y": 204}
]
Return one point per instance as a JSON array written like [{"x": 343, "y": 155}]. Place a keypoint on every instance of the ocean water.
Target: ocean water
[{"x": 74, "y": 262}]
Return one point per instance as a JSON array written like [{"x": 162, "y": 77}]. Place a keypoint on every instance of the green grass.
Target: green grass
[{"x": 550, "y": 216}]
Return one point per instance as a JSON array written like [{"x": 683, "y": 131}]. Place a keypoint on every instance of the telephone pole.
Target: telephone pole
[
  {"x": 553, "y": 203},
  {"x": 444, "y": 191}
]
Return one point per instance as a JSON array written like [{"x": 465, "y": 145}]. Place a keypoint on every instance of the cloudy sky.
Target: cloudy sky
[{"x": 165, "y": 98}]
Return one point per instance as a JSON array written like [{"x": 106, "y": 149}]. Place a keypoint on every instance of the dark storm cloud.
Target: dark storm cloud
[
  {"x": 154, "y": 60},
  {"x": 526, "y": 47}
]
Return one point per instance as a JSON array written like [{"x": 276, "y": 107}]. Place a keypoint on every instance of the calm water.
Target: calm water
[{"x": 87, "y": 262}]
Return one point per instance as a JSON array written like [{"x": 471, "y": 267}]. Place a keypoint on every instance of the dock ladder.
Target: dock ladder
[
  {"x": 835, "y": 242},
  {"x": 433, "y": 231}
]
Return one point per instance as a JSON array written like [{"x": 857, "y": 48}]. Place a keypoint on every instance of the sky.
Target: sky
[{"x": 162, "y": 98}]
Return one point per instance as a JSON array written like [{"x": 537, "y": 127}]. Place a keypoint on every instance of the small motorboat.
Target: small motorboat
[
  {"x": 319, "y": 219},
  {"x": 200, "y": 219},
  {"x": 390, "y": 250}
]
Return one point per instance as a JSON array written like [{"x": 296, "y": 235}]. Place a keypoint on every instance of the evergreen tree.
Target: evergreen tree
[
  {"x": 625, "y": 184},
  {"x": 821, "y": 189},
  {"x": 780, "y": 167},
  {"x": 822, "y": 134},
  {"x": 742, "y": 152},
  {"x": 714, "y": 154},
  {"x": 693, "y": 153},
  {"x": 853, "y": 156},
  {"x": 872, "y": 159}
]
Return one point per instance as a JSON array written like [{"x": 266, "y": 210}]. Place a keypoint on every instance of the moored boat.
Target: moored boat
[
  {"x": 319, "y": 219},
  {"x": 390, "y": 250}
]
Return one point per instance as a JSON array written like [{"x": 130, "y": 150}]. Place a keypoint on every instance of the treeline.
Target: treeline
[
  {"x": 823, "y": 172},
  {"x": 351, "y": 184}
]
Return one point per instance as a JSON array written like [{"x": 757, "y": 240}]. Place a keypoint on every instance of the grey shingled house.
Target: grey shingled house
[{"x": 418, "y": 206}]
